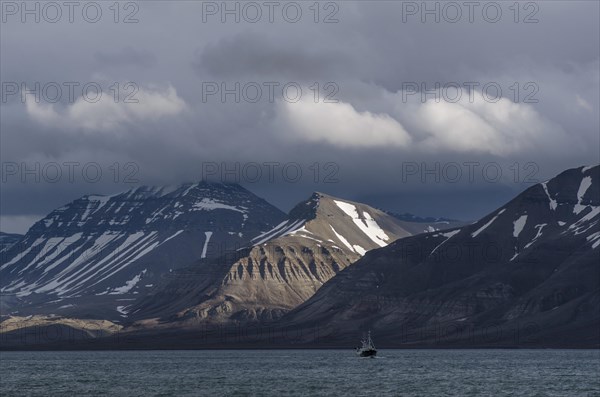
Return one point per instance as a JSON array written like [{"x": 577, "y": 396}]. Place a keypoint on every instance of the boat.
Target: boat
[{"x": 368, "y": 348}]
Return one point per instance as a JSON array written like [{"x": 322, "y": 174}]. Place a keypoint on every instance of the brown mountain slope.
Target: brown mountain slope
[{"x": 284, "y": 268}]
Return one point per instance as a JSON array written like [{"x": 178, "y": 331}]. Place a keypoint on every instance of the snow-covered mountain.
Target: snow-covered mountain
[
  {"x": 94, "y": 256},
  {"x": 281, "y": 269},
  {"x": 529, "y": 270}
]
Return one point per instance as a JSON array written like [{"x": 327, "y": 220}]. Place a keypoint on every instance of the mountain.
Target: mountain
[
  {"x": 526, "y": 274},
  {"x": 7, "y": 240},
  {"x": 94, "y": 256},
  {"x": 279, "y": 270},
  {"x": 433, "y": 224}
]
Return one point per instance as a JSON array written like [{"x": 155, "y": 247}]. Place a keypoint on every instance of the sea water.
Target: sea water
[{"x": 301, "y": 373}]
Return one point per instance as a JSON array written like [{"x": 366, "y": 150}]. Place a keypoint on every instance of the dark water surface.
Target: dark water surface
[{"x": 301, "y": 373}]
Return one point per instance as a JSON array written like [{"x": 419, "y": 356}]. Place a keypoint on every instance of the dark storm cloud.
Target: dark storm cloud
[
  {"x": 260, "y": 55},
  {"x": 370, "y": 54}
]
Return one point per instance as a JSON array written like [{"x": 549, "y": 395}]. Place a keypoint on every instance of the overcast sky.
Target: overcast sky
[{"x": 368, "y": 135}]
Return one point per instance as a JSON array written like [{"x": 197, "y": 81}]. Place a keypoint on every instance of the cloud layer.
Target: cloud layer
[
  {"x": 370, "y": 133},
  {"x": 107, "y": 114}
]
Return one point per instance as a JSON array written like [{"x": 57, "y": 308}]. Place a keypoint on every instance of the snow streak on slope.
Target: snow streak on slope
[
  {"x": 595, "y": 239},
  {"x": 481, "y": 229},
  {"x": 342, "y": 239},
  {"x": 261, "y": 238},
  {"x": 208, "y": 236},
  {"x": 90, "y": 266},
  {"x": 23, "y": 254},
  {"x": 97, "y": 246},
  {"x": 553, "y": 203},
  {"x": 583, "y": 187},
  {"x": 283, "y": 229},
  {"x": 367, "y": 225},
  {"x": 448, "y": 236},
  {"x": 538, "y": 234}
]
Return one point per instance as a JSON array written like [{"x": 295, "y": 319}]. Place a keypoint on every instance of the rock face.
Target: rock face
[
  {"x": 281, "y": 269},
  {"x": 93, "y": 257},
  {"x": 529, "y": 272}
]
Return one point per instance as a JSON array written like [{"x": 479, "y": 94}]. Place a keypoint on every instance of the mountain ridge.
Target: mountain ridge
[
  {"x": 527, "y": 270},
  {"x": 534, "y": 259},
  {"x": 282, "y": 267}
]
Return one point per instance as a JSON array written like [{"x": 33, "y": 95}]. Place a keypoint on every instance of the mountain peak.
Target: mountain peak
[
  {"x": 307, "y": 210},
  {"x": 97, "y": 248},
  {"x": 544, "y": 268},
  {"x": 316, "y": 205},
  {"x": 183, "y": 189},
  {"x": 286, "y": 265}
]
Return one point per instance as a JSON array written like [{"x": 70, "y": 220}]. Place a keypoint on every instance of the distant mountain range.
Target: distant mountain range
[
  {"x": 527, "y": 274},
  {"x": 100, "y": 256},
  {"x": 408, "y": 217},
  {"x": 7, "y": 240}
]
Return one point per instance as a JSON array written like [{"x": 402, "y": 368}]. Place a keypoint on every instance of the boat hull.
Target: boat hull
[{"x": 367, "y": 353}]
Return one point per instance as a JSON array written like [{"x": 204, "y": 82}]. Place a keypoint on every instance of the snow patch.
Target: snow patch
[
  {"x": 311, "y": 238},
  {"x": 367, "y": 225},
  {"x": 128, "y": 285},
  {"x": 122, "y": 310},
  {"x": 301, "y": 230},
  {"x": 360, "y": 250},
  {"x": 518, "y": 225},
  {"x": 207, "y": 204}
]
